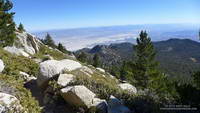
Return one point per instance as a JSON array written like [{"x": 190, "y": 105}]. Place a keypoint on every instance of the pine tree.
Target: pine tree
[
  {"x": 63, "y": 49},
  {"x": 7, "y": 25},
  {"x": 145, "y": 65},
  {"x": 123, "y": 71},
  {"x": 199, "y": 34},
  {"x": 49, "y": 41},
  {"x": 196, "y": 79},
  {"x": 21, "y": 27},
  {"x": 82, "y": 57},
  {"x": 96, "y": 60}
]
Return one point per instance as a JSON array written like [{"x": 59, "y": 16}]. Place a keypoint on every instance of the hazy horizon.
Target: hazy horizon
[
  {"x": 78, "y": 38},
  {"x": 86, "y": 27}
]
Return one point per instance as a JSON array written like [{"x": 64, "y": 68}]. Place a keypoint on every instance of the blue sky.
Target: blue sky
[{"x": 57, "y": 14}]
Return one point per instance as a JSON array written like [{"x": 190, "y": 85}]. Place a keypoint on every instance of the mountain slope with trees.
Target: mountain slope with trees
[{"x": 177, "y": 57}]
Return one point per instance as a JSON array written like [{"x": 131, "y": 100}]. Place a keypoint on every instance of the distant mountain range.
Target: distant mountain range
[
  {"x": 176, "y": 56},
  {"x": 79, "y": 38}
]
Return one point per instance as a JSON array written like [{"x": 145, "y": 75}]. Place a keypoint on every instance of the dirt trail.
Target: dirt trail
[
  {"x": 35, "y": 90},
  {"x": 37, "y": 93}
]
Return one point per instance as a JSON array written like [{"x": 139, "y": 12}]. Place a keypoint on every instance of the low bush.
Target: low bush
[
  {"x": 14, "y": 64},
  {"x": 57, "y": 55}
]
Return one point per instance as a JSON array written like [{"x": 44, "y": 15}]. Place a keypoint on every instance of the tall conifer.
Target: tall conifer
[
  {"x": 96, "y": 60},
  {"x": 21, "y": 27},
  {"x": 7, "y": 25},
  {"x": 145, "y": 65},
  {"x": 49, "y": 41}
]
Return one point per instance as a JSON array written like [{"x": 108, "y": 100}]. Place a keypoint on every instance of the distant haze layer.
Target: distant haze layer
[{"x": 74, "y": 39}]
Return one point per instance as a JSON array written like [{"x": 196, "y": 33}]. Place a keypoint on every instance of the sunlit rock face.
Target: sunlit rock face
[
  {"x": 25, "y": 44},
  {"x": 51, "y": 68}
]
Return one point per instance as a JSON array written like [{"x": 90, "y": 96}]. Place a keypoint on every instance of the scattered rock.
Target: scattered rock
[
  {"x": 51, "y": 68},
  {"x": 1, "y": 66},
  {"x": 79, "y": 96},
  {"x": 27, "y": 77},
  {"x": 38, "y": 60},
  {"x": 9, "y": 103},
  {"x": 83, "y": 71},
  {"x": 65, "y": 79},
  {"x": 115, "y": 106},
  {"x": 128, "y": 87},
  {"x": 49, "y": 57},
  {"x": 101, "y": 70},
  {"x": 87, "y": 70},
  {"x": 16, "y": 51}
]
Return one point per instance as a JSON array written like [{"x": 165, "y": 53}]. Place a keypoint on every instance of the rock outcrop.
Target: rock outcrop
[
  {"x": 24, "y": 45},
  {"x": 51, "y": 68},
  {"x": 1, "y": 66},
  {"x": 130, "y": 88},
  {"x": 28, "y": 43}
]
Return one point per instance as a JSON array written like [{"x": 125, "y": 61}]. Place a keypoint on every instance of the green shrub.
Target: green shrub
[
  {"x": 57, "y": 55},
  {"x": 104, "y": 90},
  {"x": 144, "y": 103}
]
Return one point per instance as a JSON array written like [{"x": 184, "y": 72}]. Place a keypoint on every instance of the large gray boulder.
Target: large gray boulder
[
  {"x": 79, "y": 96},
  {"x": 1, "y": 66},
  {"x": 16, "y": 51},
  {"x": 130, "y": 88},
  {"x": 9, "y": 104},
  {"x": 51, "y": 68},
  {"x": 65, "y": 79},
  {"x": 116, "y": 106}
]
